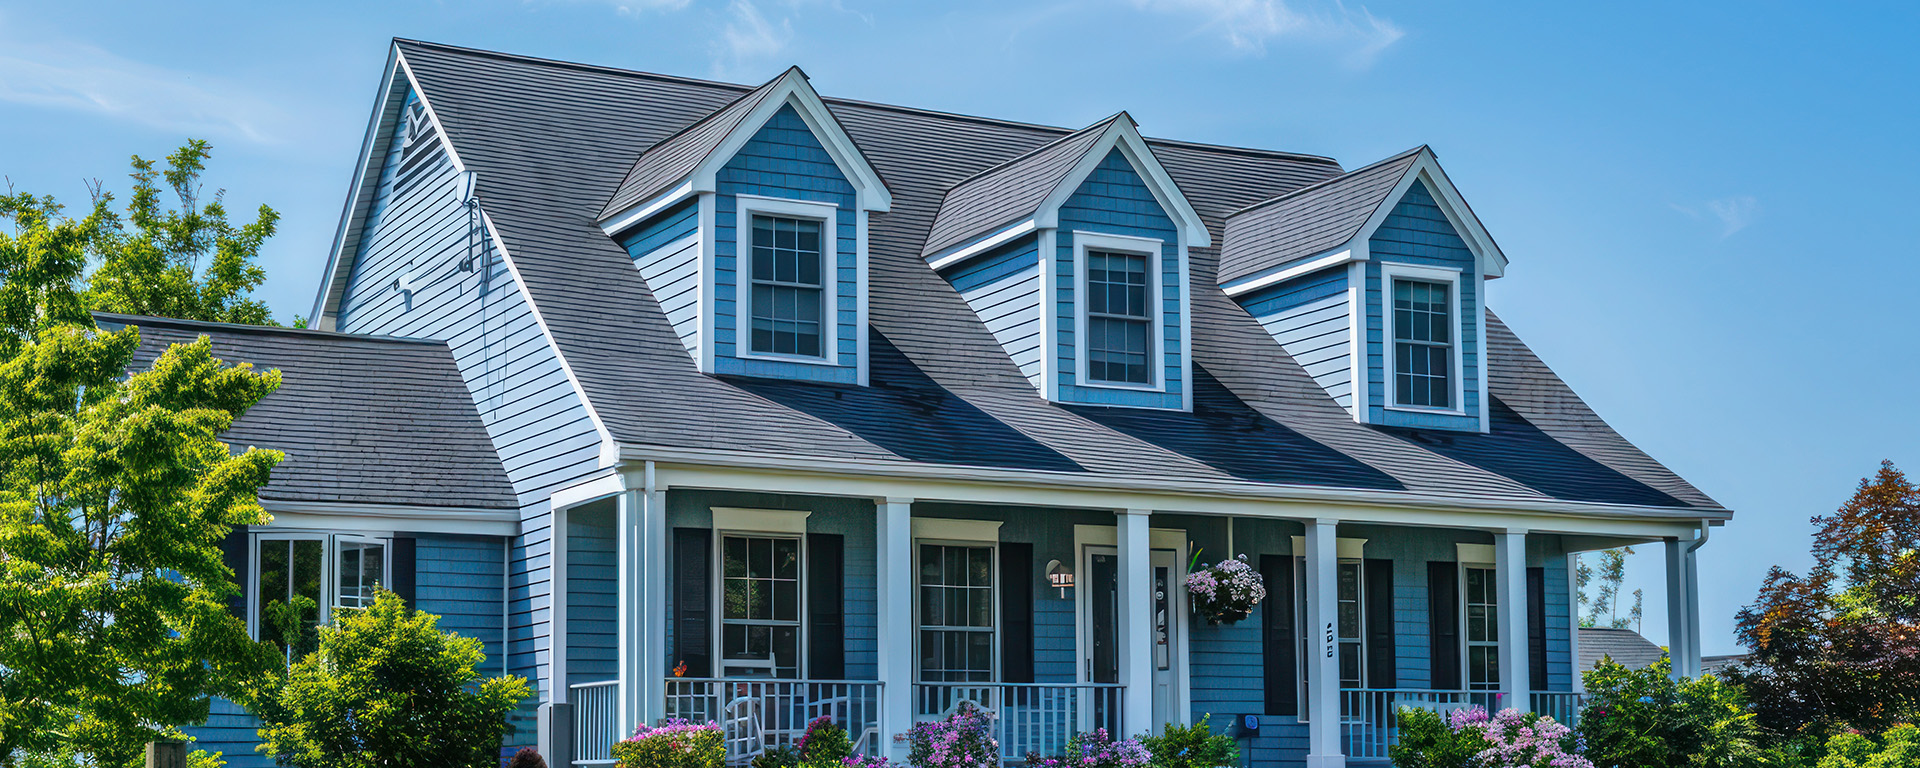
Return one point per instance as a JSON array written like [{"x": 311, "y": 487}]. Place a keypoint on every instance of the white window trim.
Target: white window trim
[
  {"x": 329, "y": 555},
  {"x": 1451, "y": 277},
  {"x": 1466, "y": 643},
  {"x": 999, "y": 621},
  {"x": 825, "y": 213},
  {"x": 1152, "y": 249},
  {"x": 719, "y": 582}
]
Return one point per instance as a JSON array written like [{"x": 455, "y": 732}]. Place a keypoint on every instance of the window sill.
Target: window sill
[
  {"x": 1122, "y": 386},
  {"x": 1427, "y": 411},
  {"x": 775, "y": 358}
]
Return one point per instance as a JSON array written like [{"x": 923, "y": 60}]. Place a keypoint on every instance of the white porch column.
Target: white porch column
[
  {"x": 1323, "y": 669},
  {"x": 1682, "y": 616},
  {"x": 1510, "y": 570},
  {"x": 893, "y": 532},
  {"x": 1136, "y": 619},
  {"x": 632, "y": 517},
  {"x": 642, "y": 572}
]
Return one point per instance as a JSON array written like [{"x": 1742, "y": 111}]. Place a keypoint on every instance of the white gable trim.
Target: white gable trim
[
  {"x": 633, "y": 216},
  {"x": 792, "y": 88},
  {"x": 1337, "y": 256},
  {"x": 339, "y": 259},
  {"x": 940, "y": 261},
  {"x": 1426, "y": 169},
  {"x": 1123, "y": 135}
]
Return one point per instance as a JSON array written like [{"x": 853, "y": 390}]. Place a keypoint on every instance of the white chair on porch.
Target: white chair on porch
[{"x": 743, "y": 730}]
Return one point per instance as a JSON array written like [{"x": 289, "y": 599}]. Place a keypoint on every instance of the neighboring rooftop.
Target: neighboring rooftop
[
  {"x": 362, "y": 419},
  {"x": 1624, "y": 646}
]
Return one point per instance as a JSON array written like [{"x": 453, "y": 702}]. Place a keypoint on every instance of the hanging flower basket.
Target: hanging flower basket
[{"x": 1226, "y": 592}]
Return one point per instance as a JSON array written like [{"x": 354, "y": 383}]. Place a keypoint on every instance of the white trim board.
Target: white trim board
[
  {"x": 1344, "y": 549},
  {"x": 745, "y": 206},
  {"x": 1390, "y": 271},
  {"x": 760, "y": 520},
  {"x": 330, "y": 516},
  {"x": 951, "y": 529},
  {"x": 1152, "y": 249}
]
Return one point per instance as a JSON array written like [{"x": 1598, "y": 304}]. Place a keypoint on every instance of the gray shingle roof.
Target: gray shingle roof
[
  {"x": 362, "y": 419},
  {"x": 1308, "y": 221},
  {"x": 666, "y": 163},
  {"x": 552, "y": 141},
  {"x": 1011, "y": 191},
  {"x": 1624, "y": 646}
]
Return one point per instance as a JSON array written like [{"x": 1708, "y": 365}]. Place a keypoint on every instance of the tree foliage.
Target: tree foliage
[
  {"x": 1840, "y": 647},
  {"x": 1643, "y": 718},
  {"x": 387, "y": 688},
  {"x": 1612, "y": 575}
]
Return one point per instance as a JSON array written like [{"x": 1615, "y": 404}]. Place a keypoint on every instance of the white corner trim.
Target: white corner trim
[
  {"x": 827, "y": 214},
  {"x": 1252, "y": 283},
  {"x": 1474, "y": 554},
  {"x": 962, "y": 253},
  {"x": 331, "y": 516},
  {"x": 1345, "y": 549},
  {"x": 1480, "y": 321},
  {"x": 948, "y": 529},
  {"x": 794, "y": 89},
  {"x": 760, "y": 520},
  {"x": 1184, "y": 291},
  {"x": 1451, "y": 277},
  {"x": 1154, "y": 251},
  {"x": 860, "y": 294},
  {"x": 645, "y": 209},
  {"x": 709, "y": 255},
  {"x": 1049, "y": 318},
  {"x": 1359, "y": 377},
  {"x": 1125, "y": 137}
]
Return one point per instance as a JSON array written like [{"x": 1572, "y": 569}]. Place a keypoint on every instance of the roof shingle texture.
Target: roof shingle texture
[
  {"x": 1624, "y": 646},
  {"x": 1010, "y": 191},
  {"x": 361, "y": 419},
  {"x": 666, "y": 163},
  {"x": 553, "y": 141},
  {"x": 1307, "y": 221}
]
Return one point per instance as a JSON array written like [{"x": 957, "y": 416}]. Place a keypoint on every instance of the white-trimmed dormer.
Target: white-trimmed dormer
[
  {"x": 1375, "y": 282},
  {"x": 750, "y": 228},
  {"x": 1075, "y": 255}
]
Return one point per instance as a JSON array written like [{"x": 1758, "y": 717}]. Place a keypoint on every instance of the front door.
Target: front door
[{"x": 1102, "y": 649}]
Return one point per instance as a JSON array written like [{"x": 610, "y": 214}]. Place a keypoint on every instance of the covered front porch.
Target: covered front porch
[{"x": 689, "y": 597}]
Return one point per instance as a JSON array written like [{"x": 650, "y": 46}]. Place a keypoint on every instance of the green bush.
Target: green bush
[
  {"x": 1195, "y": 746},
  {"x": 387, "y": 688},
  {"x": 675, "y": 744},
  {"x": 1899, "y": 747},
  {"x": 781, "y": 756},
  {"x": 1643, "y": 719},
  {"x": 823, "y": 744},
  {"x": 1426, "y": 741}
]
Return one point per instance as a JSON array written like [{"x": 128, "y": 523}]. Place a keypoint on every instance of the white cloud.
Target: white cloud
[
  {"x": 67, "y": 75},
  {"x": 748, "y": 39},
  {"x": 633, "y": 7},
  {"x": 1248, "y": 25},
  {"x": 1732, "y": 213}
]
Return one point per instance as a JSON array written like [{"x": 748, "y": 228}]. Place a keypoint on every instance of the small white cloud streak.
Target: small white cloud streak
[
  {"x": 628, "y": 7},
  {"x": 1249, "y": 25},
  {"x": 748, "y": 39},
  {"x": 1732, "y": 213},
  {"x": 77, "y": 77}
]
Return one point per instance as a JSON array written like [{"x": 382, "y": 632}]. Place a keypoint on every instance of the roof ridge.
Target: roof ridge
[
  {"x": 155, "y": 320},
  {"x": 1325, "y": 182},
  {"x": 1036, "y": 150},
  {"x": 716, "y": 113}
]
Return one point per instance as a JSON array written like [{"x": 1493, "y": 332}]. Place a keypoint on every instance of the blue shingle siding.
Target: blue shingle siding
[
  {"x": 1113, "y": 200},
  {"x": 233, "y": 732},
  {"x": 1003, "y": 287},
  {"x": 784, "y": 160},
  {"x": 459, "y": 579},
  {"x": 1418, "y": 232},
  {"x": 593, "y": 591},
  {"x": 1309, "y": 317},
  {"x": 672, "y": 273}
]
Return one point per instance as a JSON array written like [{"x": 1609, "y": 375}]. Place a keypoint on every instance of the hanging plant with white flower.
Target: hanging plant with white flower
[{"x": 1225, "y": 592}]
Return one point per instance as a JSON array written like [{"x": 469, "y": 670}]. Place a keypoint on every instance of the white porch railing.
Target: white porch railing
[
  {"x": 594, "y": 727},
  {"x": 1563, "y": 707},
  {"x": 1370, "y": 718},
  {"x": 755, "y": 715},
  {"x": 1028, "y": 717}
]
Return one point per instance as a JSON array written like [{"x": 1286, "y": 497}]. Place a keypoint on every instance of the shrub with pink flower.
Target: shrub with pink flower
[
  {"x": 963, "y": 739},
  {"x": 1469, "y": 738},
  {"x": 672, "y": 744},
  {"x": 1227, "y": 591},
  {"x": 1096, "y": 749}
]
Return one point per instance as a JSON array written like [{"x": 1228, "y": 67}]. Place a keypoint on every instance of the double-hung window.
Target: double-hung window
[
  {"x": 301, "y": 578},
  {"x": 788, "y": 302},
  {"x": 760, "y": 606},
  {"x": 1481, "y": 606},
  {"x": 1119, "y": 318},
  {"x": 956, "y": 613},
  {"x": 1422, "y": 343}
]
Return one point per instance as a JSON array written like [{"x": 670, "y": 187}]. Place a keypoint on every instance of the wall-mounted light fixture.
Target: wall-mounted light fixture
[{"x": 1059, "y": 576}]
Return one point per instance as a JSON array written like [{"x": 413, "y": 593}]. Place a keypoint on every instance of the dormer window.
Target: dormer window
[
  {"x": 1119, "y": 320},
  {"x": 1422, "y": 345},
  {"x": 786, "y": 287}
]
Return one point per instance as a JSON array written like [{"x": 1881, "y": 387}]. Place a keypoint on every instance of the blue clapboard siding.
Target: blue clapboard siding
[
  {"x": 1309, "y": 316},
  {"x": 668, "y": 258},
  {"x": 1417, "y": 232},
  {"x": 462, "y": 580},
  {"x": 234, "y": 733},
  {"x": 784, "y": 160},
  {"x": 593, "y": 591},
  {"x": 539, "y": 426},
  {"x": 1003, "y": 287},
  {"x": 1113, "y": 200}
]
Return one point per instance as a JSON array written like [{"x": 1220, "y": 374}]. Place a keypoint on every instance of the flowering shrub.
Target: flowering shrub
[
  {"x": 823, "y": 744},
  {"x": 862, "y": 761},
  {"x": 1468, "y": 738},
  {"x": 963, "y": 740},
  {"x": 672, "y": 744},
  {"x": 1191, "y": 746},
  {"x": 1227, "y": 591},
  {"x": 1095, "y": 749}
]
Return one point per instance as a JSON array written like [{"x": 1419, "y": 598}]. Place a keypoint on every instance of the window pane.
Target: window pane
[
  {"x": 786, "y": 309},
  {"x": 786, "y": 601},
  {"x": 786, "y": 558},
  {"x": 735, "y": 556},
  {"x": 932, "y": 607},
  {"x": 930, "y": 564},
  {"x": 980, "y": 566},
  {"x": 759, "y": 558}
]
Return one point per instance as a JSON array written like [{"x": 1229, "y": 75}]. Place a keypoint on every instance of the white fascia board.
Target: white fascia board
[
  {"x": 641, "y": 211},
  {"x": 793, "y": 88},
  {"x": 604, "y": 486},
  {"x": 364, "y": 175},
  {"x": 785, "y": 473},
  {"x": 1425, "y": 168},
  {"x": 341, "y": 516},
  {"x": 1338, "y": 255},
  {"x": 961, "y": 253},
  {"x": 1124, "y": 136}
]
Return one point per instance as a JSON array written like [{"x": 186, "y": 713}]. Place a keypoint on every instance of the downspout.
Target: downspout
[{"x": 1693, "y": 579}]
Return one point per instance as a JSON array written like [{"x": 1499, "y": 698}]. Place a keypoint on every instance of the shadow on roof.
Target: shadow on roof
[
  {"x": 1224, "y": 433},
  {"x": 904, "y": 411},
  {"x": 1519, "y": 451}
]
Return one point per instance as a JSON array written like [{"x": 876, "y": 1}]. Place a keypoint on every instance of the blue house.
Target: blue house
[{"x": 748, "y": 404}]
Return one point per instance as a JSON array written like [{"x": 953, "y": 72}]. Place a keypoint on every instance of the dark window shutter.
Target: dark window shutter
[
  {"x": 826, "y": 601},
  {"x": 400, "y": 577},
  {"x": 1443, "y": 618},
  {"x": 1537, "y": 627},
  {"x": 1380, "y": 652},
  {"x": 692, "y": 600},
  {"x": 1278, "y": 640},
  {"x": 1016, "y": 612},
  {"x": 233, "y": 551}
]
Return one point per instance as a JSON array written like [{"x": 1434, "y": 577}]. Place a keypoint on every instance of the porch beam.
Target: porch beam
[
  {"x": 1136, "y": 618},
  {"x": 1323, "y": 668},
  {"x": 1510, "y": 573},
  {"x": 893, "y": 533}
]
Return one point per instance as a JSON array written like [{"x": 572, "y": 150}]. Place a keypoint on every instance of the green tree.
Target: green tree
[
  {"x": 387, "y": 688},
  {"x": 1642, "y": 718},
  {"x": 1840, "y": 647},
  {"x": 41, "y": 266},
  {"x": 1603, "y": 609}
]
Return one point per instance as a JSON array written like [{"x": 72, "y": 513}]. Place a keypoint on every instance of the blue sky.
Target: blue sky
[{"x": 1705, "y": 204}]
